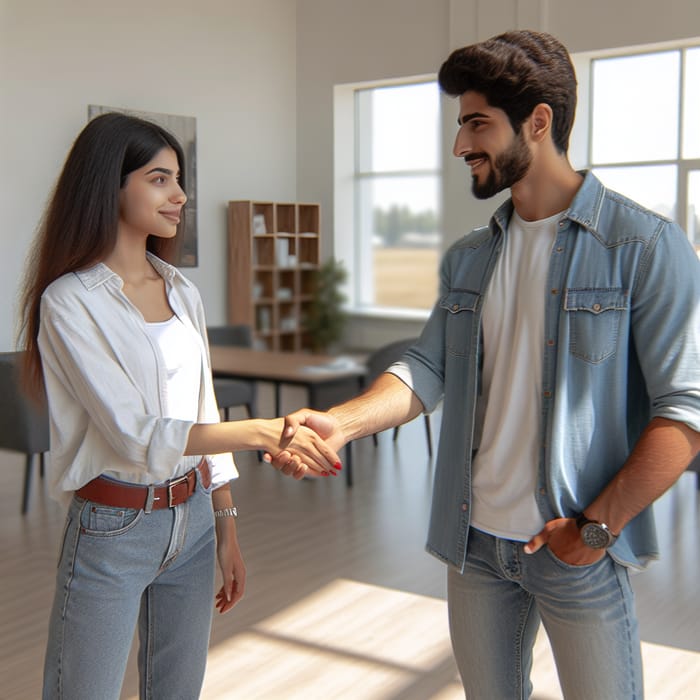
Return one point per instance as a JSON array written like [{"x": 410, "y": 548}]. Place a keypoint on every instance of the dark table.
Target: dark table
[{"x": 322, "y": 376}]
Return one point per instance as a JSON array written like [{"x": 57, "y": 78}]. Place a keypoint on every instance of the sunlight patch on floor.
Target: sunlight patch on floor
[
  {"x": 360, "y": 641},
  {"x": 347, "y": 640}
]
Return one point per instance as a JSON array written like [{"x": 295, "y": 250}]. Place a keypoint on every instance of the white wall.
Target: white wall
[
  {"x": 347, "y": 41},
  {"x": 229, "y": 63},
  {"x": 258, "y": 75}
]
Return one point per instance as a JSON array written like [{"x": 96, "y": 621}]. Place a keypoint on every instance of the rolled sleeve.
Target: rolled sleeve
[{"x": 666, "y": 327}]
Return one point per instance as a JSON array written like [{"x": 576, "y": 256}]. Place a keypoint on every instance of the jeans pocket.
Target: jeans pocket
[
  {"x": 206, "y": 490},
  {"x": 570, "y": 567},
  {"x": 107, "y": 521}
]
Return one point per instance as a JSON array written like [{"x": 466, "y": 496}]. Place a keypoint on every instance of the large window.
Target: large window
[
  {"x": 644, "y": 138},
  {"x": 396, "y": 196}
]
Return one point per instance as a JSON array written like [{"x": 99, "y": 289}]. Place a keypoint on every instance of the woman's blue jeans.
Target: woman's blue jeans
[
  {"x": 495, "y": 608},
  {"x": 120, "y": 568}
]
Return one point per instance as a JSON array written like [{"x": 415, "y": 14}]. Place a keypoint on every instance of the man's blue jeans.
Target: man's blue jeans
[
  {"x": 495, "y": 608},
  {"x": 123, "y": 567}
]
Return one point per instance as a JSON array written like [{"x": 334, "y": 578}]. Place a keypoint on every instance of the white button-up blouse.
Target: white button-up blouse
[{"x": 106, "y": 384}]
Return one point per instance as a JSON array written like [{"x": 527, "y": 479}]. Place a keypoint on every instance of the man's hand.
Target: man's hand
[
  {"x": 323, "y": 424},
  {"x": 563, "y": 538}
]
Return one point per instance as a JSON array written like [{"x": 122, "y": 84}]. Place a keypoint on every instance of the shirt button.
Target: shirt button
[
  {"x": 596, "y": 307},
  {"x": 554, "y": 291},
  {"x": 550, "y": 343},
  {"x": 464, "y": 507},
  {"x": 547, "y": 394},
  {"x": 543, "y": 492},
  {"x": 455, "y": 307}
]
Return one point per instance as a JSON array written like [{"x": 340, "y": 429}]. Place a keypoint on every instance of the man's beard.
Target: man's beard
[{"x": 509, "y": 167}]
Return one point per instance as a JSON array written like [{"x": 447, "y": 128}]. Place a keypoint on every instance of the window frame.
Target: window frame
[
  {"x": 350, "y": 243},
  {"x": 582, "y": 135}
]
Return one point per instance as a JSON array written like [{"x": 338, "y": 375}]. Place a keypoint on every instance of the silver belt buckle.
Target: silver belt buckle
[{"x": 171, "y": 484}]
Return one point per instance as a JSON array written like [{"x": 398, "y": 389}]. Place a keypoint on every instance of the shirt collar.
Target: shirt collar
[
  {"x": 584, "y": 210},
  {"x": 100, "y": 274},
  {"x": 587, "y": 204}
]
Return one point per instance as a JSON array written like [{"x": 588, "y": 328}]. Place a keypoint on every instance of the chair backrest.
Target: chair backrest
[
  {"x": 24, "y": 425},
  {"x": 381, "y": 358},
  {"x": 239, "y": 335}
]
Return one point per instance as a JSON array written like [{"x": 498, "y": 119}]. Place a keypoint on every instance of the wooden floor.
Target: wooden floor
[{"x": 342, "y": 600}]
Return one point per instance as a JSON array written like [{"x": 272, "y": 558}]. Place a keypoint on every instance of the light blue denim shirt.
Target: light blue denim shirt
[{"x": 621, "y": 345}]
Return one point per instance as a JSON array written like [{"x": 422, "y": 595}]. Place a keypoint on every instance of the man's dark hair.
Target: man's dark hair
[{"x": 515, "y": 72}]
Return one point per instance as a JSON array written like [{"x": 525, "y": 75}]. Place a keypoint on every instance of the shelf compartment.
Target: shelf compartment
[
  {"x": 309, "y": 218},
  {"x": 308, "y": 251},
  {"x": 285, "y": 218}
]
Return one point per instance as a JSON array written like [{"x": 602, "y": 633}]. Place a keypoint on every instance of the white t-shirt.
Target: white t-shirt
[{"x": 504, "y": 475}]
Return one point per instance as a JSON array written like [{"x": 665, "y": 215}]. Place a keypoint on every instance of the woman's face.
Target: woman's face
[{"x": 151, "y": 201}]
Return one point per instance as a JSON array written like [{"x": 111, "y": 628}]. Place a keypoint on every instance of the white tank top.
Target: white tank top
[{"x": 183, "y": 362}]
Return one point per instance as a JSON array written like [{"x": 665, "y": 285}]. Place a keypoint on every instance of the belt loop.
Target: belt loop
[{"x": 149, "y": 499}]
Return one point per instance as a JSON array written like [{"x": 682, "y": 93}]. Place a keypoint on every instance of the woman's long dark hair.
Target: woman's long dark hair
[{"x": 79, "y": 226}]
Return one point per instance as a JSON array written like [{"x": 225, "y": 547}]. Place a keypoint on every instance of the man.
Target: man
[{"x": 565, "y": 345}]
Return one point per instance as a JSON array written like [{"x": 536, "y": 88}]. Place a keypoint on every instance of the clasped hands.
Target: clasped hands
[{"x": 302, "y": 422}]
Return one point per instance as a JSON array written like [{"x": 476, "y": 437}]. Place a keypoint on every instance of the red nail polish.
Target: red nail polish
[{"x": 338, "y": 466}]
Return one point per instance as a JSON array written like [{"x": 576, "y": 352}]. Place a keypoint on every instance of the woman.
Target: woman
[{"x": 119, "y": 336}]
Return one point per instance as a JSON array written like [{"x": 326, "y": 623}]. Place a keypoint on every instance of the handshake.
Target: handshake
[
  {"x": 307, "y": 441},
  {"x": 308, "y": 445}
]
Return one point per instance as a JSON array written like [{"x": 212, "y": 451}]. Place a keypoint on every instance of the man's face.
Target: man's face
[{"x": 497, "y": 156}]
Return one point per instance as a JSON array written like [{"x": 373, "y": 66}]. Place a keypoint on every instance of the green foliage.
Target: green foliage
[{"x": 325, "y": 319}]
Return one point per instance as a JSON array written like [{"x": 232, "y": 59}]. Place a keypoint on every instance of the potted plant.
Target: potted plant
[{"x": 325, "y": 317}]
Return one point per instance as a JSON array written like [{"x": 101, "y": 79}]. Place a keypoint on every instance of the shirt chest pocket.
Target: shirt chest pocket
[
  {"x": 461, "y": 307},
  {"x": 595, "y": 317}
]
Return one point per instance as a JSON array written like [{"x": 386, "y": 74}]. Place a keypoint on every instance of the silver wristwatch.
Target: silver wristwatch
[{"x": 594, "y": 534}]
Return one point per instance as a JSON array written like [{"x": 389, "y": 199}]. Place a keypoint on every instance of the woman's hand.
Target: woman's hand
[{"x": 231, "y": 564}]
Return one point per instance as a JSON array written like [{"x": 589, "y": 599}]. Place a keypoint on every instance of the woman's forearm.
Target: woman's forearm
[
  {"x": 305, "y": 448},
  {"x": 232, "y": 436}
]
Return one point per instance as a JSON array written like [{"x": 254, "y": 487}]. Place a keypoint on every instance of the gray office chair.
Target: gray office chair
[
  {"x": 378, "y": 361},
  {"x": 234, "y": 392},
  {"x": 24, "y": 426}
]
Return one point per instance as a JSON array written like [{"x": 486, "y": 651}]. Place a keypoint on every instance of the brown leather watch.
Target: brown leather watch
[{"x": 594, "y": 534}]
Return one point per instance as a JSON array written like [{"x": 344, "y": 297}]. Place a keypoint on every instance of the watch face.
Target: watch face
[{"x": 596, "y": 536}]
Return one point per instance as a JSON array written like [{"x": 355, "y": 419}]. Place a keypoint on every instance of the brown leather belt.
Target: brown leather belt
[{"x": 166, "y": 495}]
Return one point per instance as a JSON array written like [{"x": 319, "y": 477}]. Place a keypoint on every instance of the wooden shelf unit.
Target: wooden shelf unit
[{"x": 274, "y": 250}]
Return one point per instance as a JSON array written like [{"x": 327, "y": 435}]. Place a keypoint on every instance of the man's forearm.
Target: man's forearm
[
  {"x": 387, "y": 403},
  {"x": 662, "y": 453}
]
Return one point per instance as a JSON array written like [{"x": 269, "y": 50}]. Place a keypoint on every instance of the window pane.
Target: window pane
[
  {"x": 653, "y": 186},
  {"x": 635, "y": 108},
  {"x": 693, "y": 219},
  {"x": 399, "y": 128},
  {"x": 399, "y": 227},
  {"x": 691, "y": 111}
]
